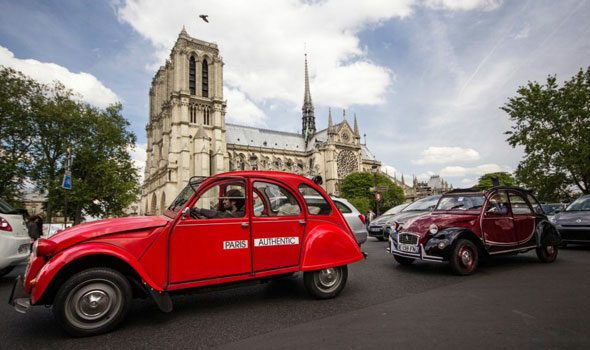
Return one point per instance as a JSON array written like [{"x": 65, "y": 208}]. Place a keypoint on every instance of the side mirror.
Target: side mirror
[{"x": 185, "y": 213}]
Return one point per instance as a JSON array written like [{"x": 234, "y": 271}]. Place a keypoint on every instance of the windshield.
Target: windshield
[
  {"x": 424, "y": 204},
  {"x": 461, "y": 203},
  {"x": 580, "y": 204},
  {"x": 5, "y": 208},
  {"x": 395, "y": 209},
  {"x": 186, "y": 193}
]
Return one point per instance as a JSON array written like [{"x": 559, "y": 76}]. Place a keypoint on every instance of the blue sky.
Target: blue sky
[{"x": 425, "y": 78}]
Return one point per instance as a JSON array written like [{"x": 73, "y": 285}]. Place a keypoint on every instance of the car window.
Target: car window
[
  {"x": 342, "y": 207},
  {"x": 580, "y": 204},
  {"x": 223, "y": 200},
  {"x": 315, "y": 202},
  {"x": 537, "y": 207},
  {"x": 274, "y": 200},
  {"x": 424, "y": 204},
  {"x": 5, "y": 208},
  {"x": 460, "y": 203},
  {"x": 396, "y": 209},
  {"x": 519, "y": 204},
  {"x": 497, "y": 204}
]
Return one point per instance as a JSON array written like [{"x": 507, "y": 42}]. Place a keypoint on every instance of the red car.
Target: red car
[
  {"x": 468, "y": 225},
  {"x": 223, "y": 229}
]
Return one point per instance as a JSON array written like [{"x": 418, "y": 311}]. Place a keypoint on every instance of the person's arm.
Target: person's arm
[{"x": 207, "y": 213}]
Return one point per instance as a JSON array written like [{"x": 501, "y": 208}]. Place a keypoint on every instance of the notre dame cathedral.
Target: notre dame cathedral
[{"x": 187, "y": 133}]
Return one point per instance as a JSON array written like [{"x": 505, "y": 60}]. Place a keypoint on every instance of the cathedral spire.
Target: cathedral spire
[
  {"x": 356, "y": 127},
  {"x": 308, "y": 129}
]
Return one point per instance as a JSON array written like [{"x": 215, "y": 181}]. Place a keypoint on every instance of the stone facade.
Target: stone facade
[{"x": 187, "y": 134}]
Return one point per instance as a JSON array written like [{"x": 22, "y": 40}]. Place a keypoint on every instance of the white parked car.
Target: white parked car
[
  {"x": 15, "y": 243},
  {"x": 354, "y": 218}
]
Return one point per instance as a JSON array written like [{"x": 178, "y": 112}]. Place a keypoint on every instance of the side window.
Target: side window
[
  {"x": 224, "y": 200},
  {"x": 342, "y": 207},
  {"x": 274, "y": 200},
  {"x": 536, "y": 206},
  {"x": 316, "y": 203},
  {"x": 497, "y": 204},
  {"x": 519, "y": 205}
]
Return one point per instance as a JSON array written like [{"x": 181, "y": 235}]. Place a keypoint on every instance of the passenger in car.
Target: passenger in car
[{"x": 233, "y": 207}]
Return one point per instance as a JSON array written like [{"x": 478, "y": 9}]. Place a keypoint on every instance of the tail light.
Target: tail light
[
  {"x": 362, "y": 217},
  {"x": 4, "y": 225}
]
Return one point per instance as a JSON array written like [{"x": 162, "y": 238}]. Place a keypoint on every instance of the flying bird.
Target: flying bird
[{"x": 204, "y": 18}]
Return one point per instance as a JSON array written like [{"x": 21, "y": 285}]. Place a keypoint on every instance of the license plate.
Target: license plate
[
  {"x": 375, "y": 229},
  {"x": 408, "y": 248}
]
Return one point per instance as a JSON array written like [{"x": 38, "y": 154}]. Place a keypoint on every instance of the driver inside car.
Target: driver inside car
[{"x": 232, "y": 207}]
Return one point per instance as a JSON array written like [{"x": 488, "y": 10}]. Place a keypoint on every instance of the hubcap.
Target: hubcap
[
  {"x": 94, "y": 304},
  {"x": 550, "y": 250},
  {"x": 466, "y": 257},
  {"x": 328, "y": 277}
]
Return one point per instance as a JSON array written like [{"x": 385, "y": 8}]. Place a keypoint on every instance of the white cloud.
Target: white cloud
[
  {"x": 263, "y": 43},
  {"x": 459, "y": 171},
  {"x": 139, "y": 157},
  {"x": 90, "y": 88},
  {"x": 486, "y": 5},
  {"x": 441, "y": 155},
  {"x": 469, "y": 182},
  {"x": 241, "y": 110}
]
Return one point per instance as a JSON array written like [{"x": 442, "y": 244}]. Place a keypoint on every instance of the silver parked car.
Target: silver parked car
[
  {"x": 354, "y": 218},
  {"x": 573, "y": 223},
  {"x": 15, "y": 242}
]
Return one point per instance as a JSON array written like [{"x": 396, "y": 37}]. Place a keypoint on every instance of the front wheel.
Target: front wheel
[
  {"x": 326, "y": 283},
  {"x": 464, "y": 257},
  {"x": 92, "y": 302},
  {"x": 547, "y": 254}
]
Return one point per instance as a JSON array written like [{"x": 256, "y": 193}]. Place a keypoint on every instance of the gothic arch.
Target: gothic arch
[
  {"x": 192, "y": 74},
  {"x": 154, "y": 207},
  {"x": 205, "y": 77},
  {"x": 163, "y": 203}
]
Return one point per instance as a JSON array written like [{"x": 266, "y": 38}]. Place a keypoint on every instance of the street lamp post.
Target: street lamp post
[{"x": 374, "y": 170}]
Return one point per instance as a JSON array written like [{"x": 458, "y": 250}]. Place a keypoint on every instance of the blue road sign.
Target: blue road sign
[{"x": 67, "y": 183}]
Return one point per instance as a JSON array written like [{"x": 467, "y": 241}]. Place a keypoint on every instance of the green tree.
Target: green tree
[
  {"x": 356, "y": 189},
  {"x": 486, "y": 180},
  {"x": 552, "y": 123},
  {"x": 18, "y": 94}
]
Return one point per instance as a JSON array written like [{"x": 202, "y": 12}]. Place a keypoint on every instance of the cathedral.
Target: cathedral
[{"x": 187, "y": 133}]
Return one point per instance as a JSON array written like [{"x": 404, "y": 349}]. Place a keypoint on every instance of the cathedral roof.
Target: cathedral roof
[
  {"x": 367, "y": 154},
  {"x": 255, "y": 137}
]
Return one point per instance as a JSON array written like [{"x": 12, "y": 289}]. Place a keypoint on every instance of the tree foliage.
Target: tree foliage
[
  {"x": 552, "y": 123},
  {"x": 48, "y": 122},
  {"x": 486, "y": 180},
  {"x": 356, "y": 189}
]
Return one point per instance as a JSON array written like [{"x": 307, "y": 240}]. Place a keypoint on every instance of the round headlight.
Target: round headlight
[{"x": 433, "y": 229}]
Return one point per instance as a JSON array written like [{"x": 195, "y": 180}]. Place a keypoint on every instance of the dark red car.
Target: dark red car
[
  {"x": 468, "y": 225},
  {"x": 223, "y": 229}
]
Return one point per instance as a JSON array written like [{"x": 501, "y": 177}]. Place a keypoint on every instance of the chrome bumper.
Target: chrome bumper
[{"x": 420, "y": 255}]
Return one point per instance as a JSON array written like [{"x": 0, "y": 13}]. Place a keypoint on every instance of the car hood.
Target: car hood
[
  {"x": 93, "y": 229},
  {"x": 421, "y": 224},
  {"x": 573, "y": 218}
]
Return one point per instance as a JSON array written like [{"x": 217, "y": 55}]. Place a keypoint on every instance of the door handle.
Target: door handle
[
  {"x": 301, "y": 222},
  {"x": 244, "y": 224}
]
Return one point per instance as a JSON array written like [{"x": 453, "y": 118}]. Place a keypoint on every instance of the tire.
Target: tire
[
  {"x": 547, "y": 253},
  {"x": 403, "y": 261},
  {"x": 5, "y": 271},
  {"x": 464, "y": 257},
  {"x": 92, "y": 302},
  {"x": 326, "y": 283}
]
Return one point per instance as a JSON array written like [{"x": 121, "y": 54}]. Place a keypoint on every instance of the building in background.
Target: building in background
[{"x": 188, "y": 136}]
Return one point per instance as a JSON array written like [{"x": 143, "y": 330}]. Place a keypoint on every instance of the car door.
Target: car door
[
  {"x": 277, "y": 226},
  {"x": 205, "y": 248},
  {"x": 524, "y": 218},
  {"x": 497, "y": 222}
]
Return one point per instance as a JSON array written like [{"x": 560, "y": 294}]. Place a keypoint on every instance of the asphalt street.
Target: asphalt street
[{"x": 511, "y": 302}]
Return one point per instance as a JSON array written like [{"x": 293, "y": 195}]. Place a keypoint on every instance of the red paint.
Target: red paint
[{"x": 174, "y": 252}]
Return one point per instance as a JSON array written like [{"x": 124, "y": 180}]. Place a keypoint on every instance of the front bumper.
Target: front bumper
[
  {"x": 19, "y": 298},
  {"x": 14, "y": 250},
  {"x": 574, "y": 234},
  {"x": 421, "y": 253},
  {"x": 379, "y": 231}
]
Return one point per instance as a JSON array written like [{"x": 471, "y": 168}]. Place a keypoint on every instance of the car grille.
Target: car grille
[{"x": 407, "y": 238}]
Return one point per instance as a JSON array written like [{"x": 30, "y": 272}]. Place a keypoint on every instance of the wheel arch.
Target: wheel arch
[
  {"x": 327, "y": 245},
  {"x": 453, "y": 234}
]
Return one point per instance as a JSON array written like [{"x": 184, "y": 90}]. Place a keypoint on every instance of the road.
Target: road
[{"x": 511, "y": 302}]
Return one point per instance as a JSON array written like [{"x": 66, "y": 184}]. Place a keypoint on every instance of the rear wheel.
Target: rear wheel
[
  {"x": 464, "y": 258},
  {"x": 403, "y": 261},
  {"x": 5, "y": 271},
  {"x": 547, "y": 254},
  {"x": 92, "y": 302},
  {"x": 326, "y": 283}
]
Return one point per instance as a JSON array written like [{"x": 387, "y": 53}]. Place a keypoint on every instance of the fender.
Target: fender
[
  {"x": 63, "y": 258},
  {"x": 327, "y": 245},
  {"x": 547, "y": 234},
  {"x": 449, "y": 236}
]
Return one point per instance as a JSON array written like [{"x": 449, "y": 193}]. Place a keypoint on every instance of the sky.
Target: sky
[{"x": 425, "y": 78}]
